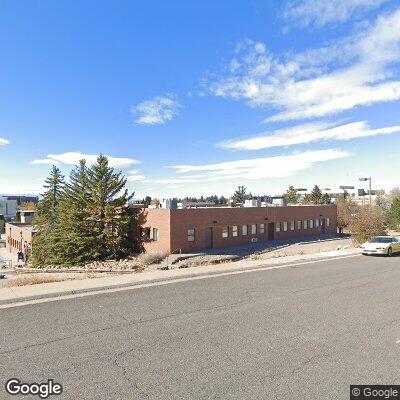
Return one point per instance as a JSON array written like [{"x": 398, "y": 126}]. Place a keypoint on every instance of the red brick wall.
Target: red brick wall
[
  {"x": 175, "y": 223},
  {"x": 18, "y": 238},
  {"x": 160, "y": 219}
]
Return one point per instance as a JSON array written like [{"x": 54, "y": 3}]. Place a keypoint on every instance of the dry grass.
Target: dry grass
[
  {"x": 34, "y": 279},
  {"x": 38, "y": 278},
  {"x": 152, "y": 257}
]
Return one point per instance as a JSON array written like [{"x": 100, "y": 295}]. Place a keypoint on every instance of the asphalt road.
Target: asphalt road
[{"x": 304, "y": 332}]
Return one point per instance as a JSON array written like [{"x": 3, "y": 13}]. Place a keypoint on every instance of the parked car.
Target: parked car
[{"x": 386, "y": 245}]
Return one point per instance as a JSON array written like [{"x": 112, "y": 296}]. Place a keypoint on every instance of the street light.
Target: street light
[{"x": 370, "y": 185}]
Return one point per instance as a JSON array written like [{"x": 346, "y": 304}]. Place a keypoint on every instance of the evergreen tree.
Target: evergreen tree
[
  {"x": 240, "y": 195},
  {"x": 394, "y": 213},
  {"x": 108, "y": 217},
  {"x": 326, "y": 199},
  {"x": 316, "y": 195},
  {"x": 46, "y": 218},
  {"x": 84, "y": 220},
  {"x": 223, "y": 200},
  {"x": 72, "y": 236},
  {"x": 291, "y": 195}
]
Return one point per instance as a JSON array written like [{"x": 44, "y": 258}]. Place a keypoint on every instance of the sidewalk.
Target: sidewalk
[{"x": 55, "y": 289}]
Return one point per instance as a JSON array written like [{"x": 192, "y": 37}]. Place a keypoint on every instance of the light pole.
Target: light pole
[{"x": 370, "y": 187}]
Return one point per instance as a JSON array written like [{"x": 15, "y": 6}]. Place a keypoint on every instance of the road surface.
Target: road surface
[{"x": 304, "y": 332}]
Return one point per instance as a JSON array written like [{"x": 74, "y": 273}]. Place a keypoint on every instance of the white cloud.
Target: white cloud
[
  {"x": 255, "y": 168},
  {"x": 356, "y": 71},
  {"x": 135, "y": 176},
  {"x": 156, "y": 111},
  {"x": 45, "y": 161},
  {"x": 308, "y": 133},
  {"x": 73, "y": 158},
  {"x": 322, "y": 12},
  {"x": 4, "y": 141}
]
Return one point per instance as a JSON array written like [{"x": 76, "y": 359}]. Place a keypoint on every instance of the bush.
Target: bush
[
  {"x": 368, "y": 222},
  {"x": 154, "y": 257}
]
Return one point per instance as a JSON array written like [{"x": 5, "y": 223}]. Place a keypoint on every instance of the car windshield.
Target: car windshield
[{"x": 381, "y": 240}]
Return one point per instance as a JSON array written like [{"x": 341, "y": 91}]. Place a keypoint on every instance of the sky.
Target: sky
[{"x": 196, "y": 98}]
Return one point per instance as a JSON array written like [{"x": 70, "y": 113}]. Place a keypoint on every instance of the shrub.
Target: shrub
[
  {"x": 154, "y": 257},
  {"x": 368, "y": 222}
]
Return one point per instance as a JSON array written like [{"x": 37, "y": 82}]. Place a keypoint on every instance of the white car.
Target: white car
[{"x": 386, "y": 245}]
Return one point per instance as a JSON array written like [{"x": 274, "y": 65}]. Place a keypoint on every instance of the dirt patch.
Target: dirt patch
[
  {"x": 206, "y": 260},
  {"x": 303, "y": 249},
  {"x": 38, "y": 278},
  {"x": 130, "y": 264}
]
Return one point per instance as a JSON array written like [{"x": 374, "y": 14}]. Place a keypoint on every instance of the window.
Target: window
[
  {"x": 311, "y": 223},
  {"x": 317, "y": 223},
  {"x": 285, "y": 226},
  {"x": 328, "y": 222},
  {"x": 191, "y": 234},
  {"x": 262, "y": 228},
  {"x": 145, "y": 233},
  {"x": 254, "y": 229},
  {"x": 278, "y": 227},
  {"x": 225, "y": 232},
  {"x": 299, "y": 225},
  {"x": 244, "y": 230},
  {"x": 292, "y": 225},
  {"x": 305, "y": 224},
  {"x": 235, "y": 230},
  {"x": 155, "y": 234}
]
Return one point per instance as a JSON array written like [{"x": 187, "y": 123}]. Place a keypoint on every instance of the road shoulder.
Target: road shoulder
[{"x": 12, "y": 295}]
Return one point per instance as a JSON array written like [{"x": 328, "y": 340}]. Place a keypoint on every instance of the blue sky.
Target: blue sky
[{"x": 191, "y": 98}]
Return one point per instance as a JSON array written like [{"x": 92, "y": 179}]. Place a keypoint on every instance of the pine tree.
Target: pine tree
[
  {"x": 316, "y": 195},
  {"x": 46, "y": 218},
  {"x": 240, "y": 195},
  {"x": 72, "y": 234},
  {"x": 394, "y": 213},
  {"x": 326, "y": 199},
  {"x": 223, "y": 200},
  {"x": 108, "y": 217},
  {"x": 291, "y": 195},
  {"x": 84, "y": 220}
]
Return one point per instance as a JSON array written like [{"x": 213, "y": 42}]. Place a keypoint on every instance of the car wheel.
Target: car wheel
[{"x": 390, "y": 252}]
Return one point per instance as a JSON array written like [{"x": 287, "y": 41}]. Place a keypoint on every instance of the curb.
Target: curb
[{"x": 17, "y": 300}]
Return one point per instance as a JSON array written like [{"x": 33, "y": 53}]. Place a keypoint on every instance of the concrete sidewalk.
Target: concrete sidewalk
[{"x": 55, "y": 289}]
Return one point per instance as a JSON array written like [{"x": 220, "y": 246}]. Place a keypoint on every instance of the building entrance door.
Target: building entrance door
[
  {"x": 209, "y": 238},
  {"x": 323, "y": 229},
  {"x": 271, "y": 231}
]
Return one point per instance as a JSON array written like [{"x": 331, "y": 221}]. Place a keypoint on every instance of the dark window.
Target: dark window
[{"x": 191, "y": 234}]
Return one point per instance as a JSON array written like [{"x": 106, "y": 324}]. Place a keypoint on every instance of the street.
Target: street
[{"x": 303, "y": 332}]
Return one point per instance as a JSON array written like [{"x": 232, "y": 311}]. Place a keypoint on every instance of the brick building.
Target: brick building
[
  {"x": 19, "y": 237},
  {"x": 191, "y": 230},
  {"x": 196, "y": 229}
]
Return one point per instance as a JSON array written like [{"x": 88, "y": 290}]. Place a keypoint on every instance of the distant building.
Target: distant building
[
  {"x": 22, "y": 199},
  {"x": 25, "y": 216},
  {"x": 8, "y": 208}
]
